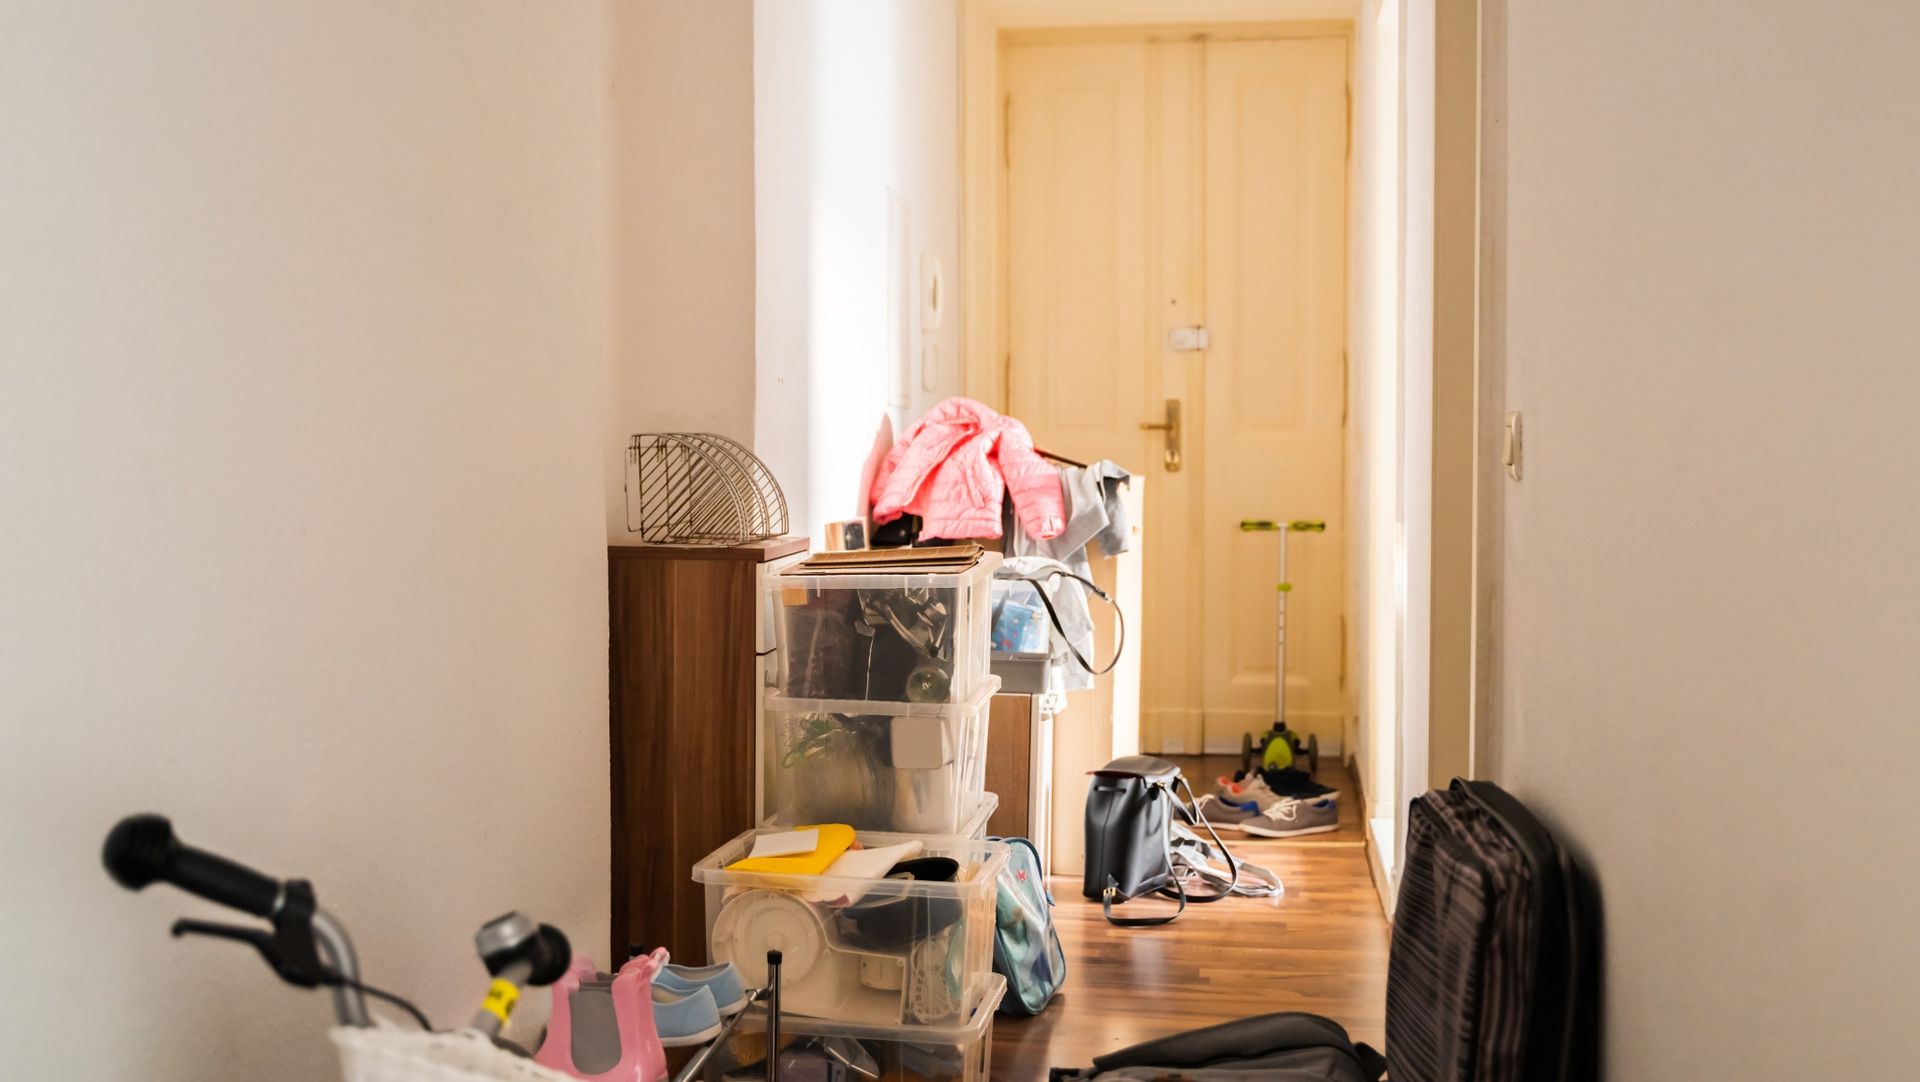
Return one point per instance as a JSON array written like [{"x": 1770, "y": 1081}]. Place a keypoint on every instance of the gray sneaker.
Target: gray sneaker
[
  {"x": 1233, "y": 792},
  {"x": 1292, "y": 818},
  {"x": 1222, "y": 815}
]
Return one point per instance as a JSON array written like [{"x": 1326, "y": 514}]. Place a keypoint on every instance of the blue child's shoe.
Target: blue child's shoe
[
  {"x": 683, "y": 1018},
  {"x": 722, "y": 981}
]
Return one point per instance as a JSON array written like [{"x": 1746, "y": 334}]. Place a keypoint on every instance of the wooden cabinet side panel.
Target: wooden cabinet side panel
[
  {"x": 682, "y": 709},
  {"x": 1010, "y": 763},
  {"x": 709, "y": 772},
  {"x": 638, "y": 689}
]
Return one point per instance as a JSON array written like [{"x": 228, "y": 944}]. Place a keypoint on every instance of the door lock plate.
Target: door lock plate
[{"x": 1188, "y": 339}]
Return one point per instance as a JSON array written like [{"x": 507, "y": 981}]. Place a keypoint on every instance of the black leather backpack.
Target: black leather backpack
[{"x": 1128, "y": 804}]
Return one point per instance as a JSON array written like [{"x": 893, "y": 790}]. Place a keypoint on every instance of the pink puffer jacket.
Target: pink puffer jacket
[{"x": 952, "y": 467}]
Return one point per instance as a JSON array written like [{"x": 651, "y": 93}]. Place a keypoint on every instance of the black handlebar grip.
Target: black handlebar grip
[
  {"x": 141, "y": 850},
  {"x": 551, "y": 955}
]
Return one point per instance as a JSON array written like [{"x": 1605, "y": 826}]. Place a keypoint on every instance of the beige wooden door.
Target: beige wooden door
[
  {"x": 1272, "y": 431},
  {"x": 1077, "y": 246},
  {"x": 1116, "y": 156}
]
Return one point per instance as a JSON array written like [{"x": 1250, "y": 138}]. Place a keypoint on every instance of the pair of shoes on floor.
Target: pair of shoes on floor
[
  {"x": 1266, "y": 787},
  {"x": 1287, "y": 817},
  {"x": 689, "y": 1002}
]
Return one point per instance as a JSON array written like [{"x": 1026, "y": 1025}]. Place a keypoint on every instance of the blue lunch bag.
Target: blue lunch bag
[{"x": 1026, "y": 948}]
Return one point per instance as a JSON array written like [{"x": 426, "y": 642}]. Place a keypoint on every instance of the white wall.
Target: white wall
[
  {"x": 856, "y": 104},
  {"x": 303, "y": 322},
  {"x": 1712, "y": 254},
  {"x": 1374, "y": 379},
  {"x": 1415, "y": 557},
  {"x": 1387, "y": 482},
  {"x": 681, "y": 182}
]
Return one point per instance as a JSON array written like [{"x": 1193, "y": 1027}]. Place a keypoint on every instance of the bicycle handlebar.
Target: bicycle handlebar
[{"x": 141, "y": 850}]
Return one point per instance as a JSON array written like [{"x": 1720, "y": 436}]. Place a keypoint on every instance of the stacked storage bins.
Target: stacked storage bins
[{"x": 876, "y": 717}]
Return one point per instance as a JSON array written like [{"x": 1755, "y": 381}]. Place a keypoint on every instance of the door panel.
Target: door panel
[
  {"x": 1272, "y": 441},
  {"x": 1154, "y": 186},
  {"x": 1077, "y": 231},
  {"x": 1104, "y": 248}
]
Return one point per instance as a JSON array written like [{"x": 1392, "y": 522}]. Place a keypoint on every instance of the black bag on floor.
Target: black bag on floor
[
  {"x": 1285, "y": 1047},
  {"x": 1491, "y": 977},
  {"x": 1128, "y": 856}
]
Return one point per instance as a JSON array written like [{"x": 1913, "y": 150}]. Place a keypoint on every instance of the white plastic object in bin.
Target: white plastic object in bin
[
  {"x": 920, "y": 743},
  {"x": 816, "y": 977},
  {"x": 786, "y": 843},
  {"x": 926, "y": 955}
]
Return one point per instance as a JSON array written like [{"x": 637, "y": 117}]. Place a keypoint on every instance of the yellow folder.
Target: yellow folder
[{"x": 835, "y": 839}]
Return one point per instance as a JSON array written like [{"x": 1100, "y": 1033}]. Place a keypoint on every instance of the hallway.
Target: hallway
[{"x": 1321, "y": 948}]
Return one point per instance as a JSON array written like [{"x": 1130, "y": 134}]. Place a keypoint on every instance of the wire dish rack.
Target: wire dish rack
[{"x": 696, "y": 488}]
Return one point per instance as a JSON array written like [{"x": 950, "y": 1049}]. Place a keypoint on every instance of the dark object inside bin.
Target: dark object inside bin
[
  {"x": 871, "y": 644},
  {"x": 844, "y": 768},
  {"x": 883, "y": 921}
]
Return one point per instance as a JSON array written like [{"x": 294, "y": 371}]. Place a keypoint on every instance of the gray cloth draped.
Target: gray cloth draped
[{"x": 1095, "y": 515}]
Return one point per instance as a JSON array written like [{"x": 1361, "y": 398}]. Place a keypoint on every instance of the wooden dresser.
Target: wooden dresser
[{"x": 684, "y": 697}]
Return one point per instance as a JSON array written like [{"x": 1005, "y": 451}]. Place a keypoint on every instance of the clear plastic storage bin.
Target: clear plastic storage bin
[
  {"x": 914, "y": 768},
  {"x": 884, "y": 637},
  {"x": 973, "y": 826},
  {"x": 816, "y": 1048},
  {"x": 883, "y": 952}
]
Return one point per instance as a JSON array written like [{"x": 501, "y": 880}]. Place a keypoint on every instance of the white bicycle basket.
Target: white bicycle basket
[{"x": 396, "y": 1055}]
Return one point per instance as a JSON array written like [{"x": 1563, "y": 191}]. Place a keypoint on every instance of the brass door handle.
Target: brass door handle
[{"x": 1171, "y": 426}]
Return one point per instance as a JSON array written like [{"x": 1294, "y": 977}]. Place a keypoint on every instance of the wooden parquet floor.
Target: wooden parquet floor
[{"x": 1321, "y": 948}]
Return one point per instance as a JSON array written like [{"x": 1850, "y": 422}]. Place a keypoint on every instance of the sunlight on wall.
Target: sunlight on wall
[
  {"x": 1379, "y": 580},
  {"x": 305, "y": 313},
  {"x": 680, "y": 358},
  {"x": 1416, "y": 367},
  {"x": 857, "y": 140},
  {"x": 856, "y": 106}
]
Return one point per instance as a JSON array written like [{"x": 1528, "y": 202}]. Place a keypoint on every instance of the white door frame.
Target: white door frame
[{"x": 1399, "y": 744}]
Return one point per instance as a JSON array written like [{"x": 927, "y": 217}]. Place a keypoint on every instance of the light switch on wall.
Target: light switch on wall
[{"x": 933, "y": 306}]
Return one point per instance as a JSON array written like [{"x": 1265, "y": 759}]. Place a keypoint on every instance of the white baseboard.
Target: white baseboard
[{"x": 1381, "y": 861}]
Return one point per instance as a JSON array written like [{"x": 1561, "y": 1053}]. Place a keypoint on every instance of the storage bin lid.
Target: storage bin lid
[
  {"x": 889, "y": 708},
  {"x": 989, "y": 993},
  {"x": 973, "y": 826},
  {"x": 802, "y": 578},
  {"x": 980, "y": 863}
]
